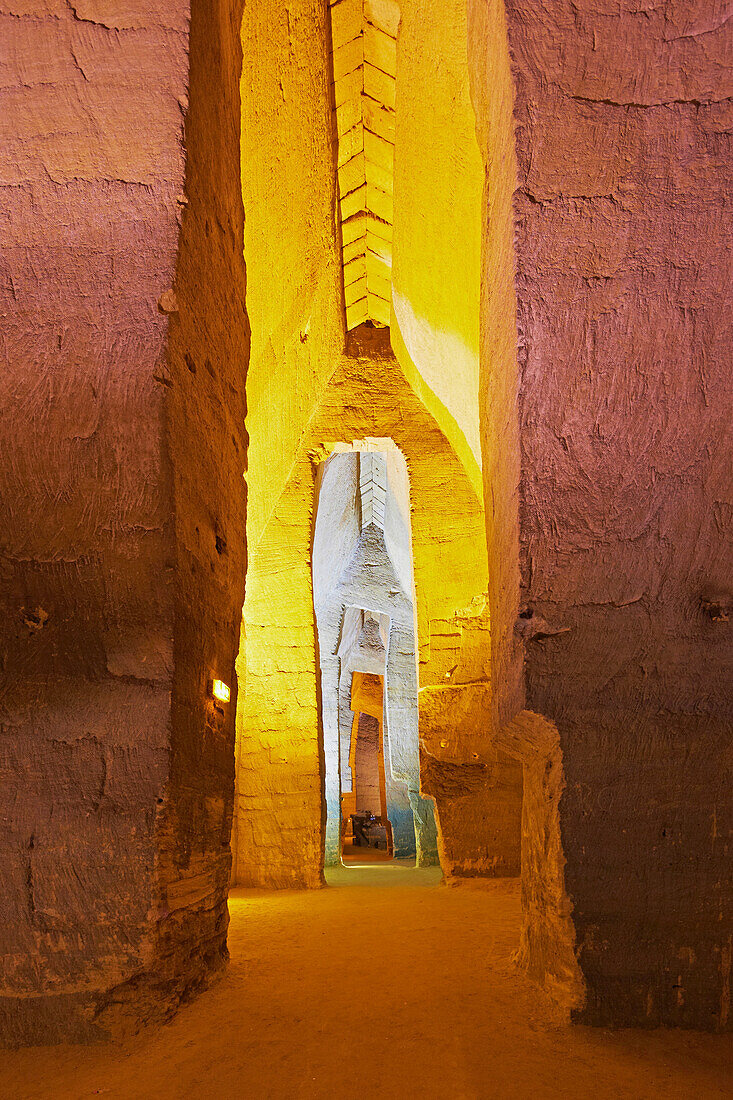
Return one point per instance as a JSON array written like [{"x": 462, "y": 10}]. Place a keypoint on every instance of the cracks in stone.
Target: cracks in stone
[
  {"x": 82, "y": 19},
  {"x": 97, "y": 802},
  {"x": 582, "y": 604},
  {"x": 700, "y": 33},
  {"x": 692, "y": 102},
  {"x": 129, "y": 678},
  {"x": 77, "y": 63},
  {"x": 113, "y": 27},
  {"x": 29, "y": 884},
  {"x": 30, "y": 17},
  {"x": 565, "y": 196}
]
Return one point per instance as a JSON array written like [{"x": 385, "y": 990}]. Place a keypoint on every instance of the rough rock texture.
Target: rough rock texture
[
  {"x": 548, "y": 941},
  {"x": 90, "y": 233},
  {"x": 207, "y": 443},
  {"x": 623, "y": 280},
  {"x": 477, "y": 788},
  {"x": 479, "y": 809},
  {"x": 92, "y": 173},
  {"x": 294, "y": 277},
  {"x": 122, "y": 505},
  {"x": 492, "y": 96},
  {"x": 438, "y": 197},
  {"x": 363, "y": 65}
]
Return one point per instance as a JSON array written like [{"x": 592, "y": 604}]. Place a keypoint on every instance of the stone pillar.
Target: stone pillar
[
  {"x": 121, "y": 507},
  {"x": 331, "y": 747}
]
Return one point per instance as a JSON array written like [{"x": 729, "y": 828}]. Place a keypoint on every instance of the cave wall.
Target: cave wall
[
  {"x": 96, "y": 604},
  {"x": 623, "y": 122},
  {"x": 436, "y": 273},
  {"x": 90, "y": 234},
  {"x": 122, "y": 571},
  {"x": 296, "y": 308},
  {"x": 479, "y": 807}
]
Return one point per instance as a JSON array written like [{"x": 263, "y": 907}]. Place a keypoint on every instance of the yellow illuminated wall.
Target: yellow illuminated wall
[
  {"x": 438, "y": 197},
  {"x": 448, "y": 399},
  {"x": 279, "y": 781},
  {"x": 294, "y": 281},
  {"x": 307, "y": 392}
]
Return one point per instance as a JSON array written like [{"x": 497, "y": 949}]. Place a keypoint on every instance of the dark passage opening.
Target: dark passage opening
[{"x": 366, "y": 830}]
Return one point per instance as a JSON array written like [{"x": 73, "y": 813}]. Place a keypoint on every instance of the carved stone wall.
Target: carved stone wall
[
  {"x": 122, "y": 498},
  {"x": 364, "y": 66},
  {"x": 623, "y": 282},
  {"x": 112, "y": 857}
]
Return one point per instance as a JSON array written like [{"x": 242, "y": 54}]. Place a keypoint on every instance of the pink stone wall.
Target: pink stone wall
[
  {"x": 623, "y": 229},
  {"x": 92, "y": 164},
  {"x": 92, "y": 102}
]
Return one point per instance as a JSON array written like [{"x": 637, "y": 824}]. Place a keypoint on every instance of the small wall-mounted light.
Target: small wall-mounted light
[{"x": 220, "y": 691}]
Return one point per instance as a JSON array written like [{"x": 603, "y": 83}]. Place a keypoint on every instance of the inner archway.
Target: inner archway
[
  {"x": 364, "y": 602},
  {"x": 283, "y": 771}
]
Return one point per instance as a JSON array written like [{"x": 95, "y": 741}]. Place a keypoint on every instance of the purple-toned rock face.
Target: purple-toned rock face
[{"x": 623, "y": 288}]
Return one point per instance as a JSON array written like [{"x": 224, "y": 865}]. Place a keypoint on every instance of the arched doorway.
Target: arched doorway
[{"x": 364, "y": 601}]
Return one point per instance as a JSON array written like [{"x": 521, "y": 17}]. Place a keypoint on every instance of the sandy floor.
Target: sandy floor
[
  {"x": 385, "y": 985},
  {"x": 352, "y": 854}
]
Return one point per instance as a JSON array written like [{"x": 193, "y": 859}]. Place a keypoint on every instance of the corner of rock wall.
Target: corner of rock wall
[
  {"x": 207, "y": 365},
  {"x": 477, "y": 788},
  {"x": 547, "y": 948}
]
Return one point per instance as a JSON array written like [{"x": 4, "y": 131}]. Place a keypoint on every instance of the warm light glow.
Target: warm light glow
[
  {"x": 306, "y": 387},
  {"x": 439, "y": 180},
  {"x": 220, "y": 691}
]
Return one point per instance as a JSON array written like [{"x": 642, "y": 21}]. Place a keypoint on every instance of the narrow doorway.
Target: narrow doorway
[{"x": 366, "y": 831}]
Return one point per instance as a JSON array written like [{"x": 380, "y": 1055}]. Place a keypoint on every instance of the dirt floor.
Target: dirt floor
[{"x": 386, "y": 984}]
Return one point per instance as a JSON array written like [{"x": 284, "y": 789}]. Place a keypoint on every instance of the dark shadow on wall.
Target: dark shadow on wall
[{"x": 208, "y": 356}]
